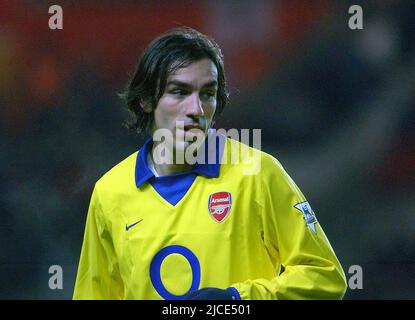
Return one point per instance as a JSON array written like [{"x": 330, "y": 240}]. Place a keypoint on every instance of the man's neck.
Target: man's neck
[{"x": 166, "y": 169}]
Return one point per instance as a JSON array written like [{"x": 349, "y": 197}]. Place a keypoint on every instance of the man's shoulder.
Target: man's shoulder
[
  {"x": 258, "y": 168},
  {"x": 120, "y": 174},
  {"x": 248, "y": 156}
]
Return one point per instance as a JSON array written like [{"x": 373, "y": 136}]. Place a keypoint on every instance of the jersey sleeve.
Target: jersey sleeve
[
  {"x": 98, "y": 274},
  {"x": 293, "y": 236}
]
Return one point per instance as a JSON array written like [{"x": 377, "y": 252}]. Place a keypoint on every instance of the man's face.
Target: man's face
[{"x": 188, "y": 99}]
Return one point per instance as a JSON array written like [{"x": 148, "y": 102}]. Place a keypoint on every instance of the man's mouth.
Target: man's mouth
[{"x": 188, "y": 127}]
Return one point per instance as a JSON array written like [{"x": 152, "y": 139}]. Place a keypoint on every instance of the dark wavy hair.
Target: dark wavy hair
[{"x": 173, "y": 50}]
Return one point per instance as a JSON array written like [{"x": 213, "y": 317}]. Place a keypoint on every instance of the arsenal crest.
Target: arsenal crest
[{"x": 219, "y": 205}]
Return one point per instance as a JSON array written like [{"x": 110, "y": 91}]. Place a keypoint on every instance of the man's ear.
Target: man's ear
[{"x": 146, "y": 106}]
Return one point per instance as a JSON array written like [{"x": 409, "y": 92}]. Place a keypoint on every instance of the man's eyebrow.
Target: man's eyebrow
[
  {"x": 179, "y": 83},
  {"x": 212, "y": 83}
]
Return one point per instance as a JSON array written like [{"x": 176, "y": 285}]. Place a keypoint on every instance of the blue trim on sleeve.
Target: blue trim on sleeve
[{"x": 235, "y": 292}]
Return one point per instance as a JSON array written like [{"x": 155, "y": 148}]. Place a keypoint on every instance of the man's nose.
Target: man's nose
[{"x": 194, "y": 107}]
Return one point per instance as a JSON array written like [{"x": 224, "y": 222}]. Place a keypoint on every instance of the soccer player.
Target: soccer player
[{"x": 163, "y": 226}]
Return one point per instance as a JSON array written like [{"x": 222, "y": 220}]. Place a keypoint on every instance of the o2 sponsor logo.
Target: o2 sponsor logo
[{"x": 155, "y": 268}]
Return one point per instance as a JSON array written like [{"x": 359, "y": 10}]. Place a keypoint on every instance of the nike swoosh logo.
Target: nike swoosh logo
[{"x": 127, "y": 227}]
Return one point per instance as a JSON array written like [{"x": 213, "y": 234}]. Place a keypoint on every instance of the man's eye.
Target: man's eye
[
  {"x": 179, "y": 92},
  {"x": 209, "y": 94}
]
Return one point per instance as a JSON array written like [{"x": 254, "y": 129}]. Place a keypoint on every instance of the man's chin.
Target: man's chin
[
  {"x": 187, "y": 150},
  {"x": 188, "y": 146}
]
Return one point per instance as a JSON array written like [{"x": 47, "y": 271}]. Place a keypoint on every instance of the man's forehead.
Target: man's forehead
[{"x": 203, "y": 70}]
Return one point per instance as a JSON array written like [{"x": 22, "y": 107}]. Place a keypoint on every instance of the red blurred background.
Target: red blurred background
[{"x": 335, "y": 106}]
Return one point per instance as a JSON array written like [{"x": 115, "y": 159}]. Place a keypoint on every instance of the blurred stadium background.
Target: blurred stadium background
[{"x": 336, "y": 107}]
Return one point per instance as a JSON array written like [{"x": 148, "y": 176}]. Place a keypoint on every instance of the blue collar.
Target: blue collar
[{"x": 143, "y": 172}]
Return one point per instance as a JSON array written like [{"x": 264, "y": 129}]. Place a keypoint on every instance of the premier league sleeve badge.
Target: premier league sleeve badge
[{"x": 309, "y": 216}]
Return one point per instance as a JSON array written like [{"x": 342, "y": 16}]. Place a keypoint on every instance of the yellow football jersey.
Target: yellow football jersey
[{"x": 234, "y": 229}]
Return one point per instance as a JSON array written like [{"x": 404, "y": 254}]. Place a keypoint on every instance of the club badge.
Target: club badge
[{"x": 219, "y": 205}]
